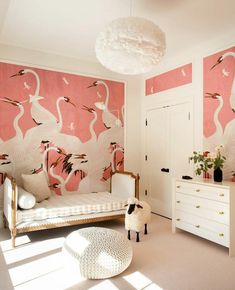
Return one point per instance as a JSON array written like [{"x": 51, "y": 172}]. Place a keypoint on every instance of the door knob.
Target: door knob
[{"x": 165, "y": 169}]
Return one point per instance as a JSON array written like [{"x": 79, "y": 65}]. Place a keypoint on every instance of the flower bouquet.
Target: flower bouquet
[
  {"x": 202, "y": 161},
  {"x": 206, "y": 160}
]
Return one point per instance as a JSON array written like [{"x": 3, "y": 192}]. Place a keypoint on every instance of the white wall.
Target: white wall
[
  {"x": 59, "y": 63},
  {"x": 193, "y": 90}
]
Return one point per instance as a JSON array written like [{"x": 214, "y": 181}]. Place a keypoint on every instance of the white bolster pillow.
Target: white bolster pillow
[{"x": 26, "y": 200}]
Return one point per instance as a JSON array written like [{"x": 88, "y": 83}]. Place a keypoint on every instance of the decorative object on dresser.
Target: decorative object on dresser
[
  {"x": 206, "y": 209},
  {"x": 138, "y": 215},
  {"x": 218, "y": 163},
  {"x": 207, "y": 160},
  {"x": 203, "y": 163}
]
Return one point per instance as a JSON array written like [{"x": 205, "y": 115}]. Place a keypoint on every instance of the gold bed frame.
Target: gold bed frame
[{"x": 14, "y": 230}]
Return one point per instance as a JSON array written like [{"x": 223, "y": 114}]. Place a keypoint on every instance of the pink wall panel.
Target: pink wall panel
[
  {"x": 219, "y": 80},
  {"x": 219, "y": 105},
  {"x": 168, "y": 80},
  {"x": 42, "y": 112}
]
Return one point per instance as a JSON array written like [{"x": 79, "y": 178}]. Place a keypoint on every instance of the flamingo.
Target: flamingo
[
  {"x": 60, "y": 120},
  {"x": 23, "y": 151},
  {"x": 93, "y": 150},
  {"x": 92, "y": 123},
  {"x": 109, "y": 119},
  {"x": 58, "y": 177},
  {"x": 9, "y": 146},
  {"x": 229, "y": 132},
  {"x": 39, "y": 114},
  {"x": 48, "y": 131},
  {"x": 44, "y": 162},
  {"x": 72, "y": 164},
  {"x": 115, "y": 132},
  {"x": 229, "y": 149},
  {"x": 114, "y": 157},
  {"x": 220, "y": 60},
  {"x": 227, "y": 138},
  {"x": 215, "y": 139},
  {"x": 21, "y": 156},
  {"x": 18, "y": 131}
]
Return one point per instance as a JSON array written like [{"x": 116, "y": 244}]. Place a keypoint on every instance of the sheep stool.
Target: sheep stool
[
  {"x": 137, "y": 216},
  {"x": 97, "y": 253}
]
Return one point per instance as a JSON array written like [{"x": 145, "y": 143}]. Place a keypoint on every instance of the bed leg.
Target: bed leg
[
  {"x": 13, "y": 238},
  {"x": 129, "y": 235}
]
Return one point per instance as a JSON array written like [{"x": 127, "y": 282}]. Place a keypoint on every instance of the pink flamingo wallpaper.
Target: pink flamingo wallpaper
[
  {"x": 70, "y": 126},
  {"x": 219, "y": 105},
  {"x": 168, "y": 80}
]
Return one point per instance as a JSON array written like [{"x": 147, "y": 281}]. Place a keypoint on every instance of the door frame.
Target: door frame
[{"x": 156, "y": 102}]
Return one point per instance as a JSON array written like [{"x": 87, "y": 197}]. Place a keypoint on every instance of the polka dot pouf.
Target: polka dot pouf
[{"x": 97, "y": 253}]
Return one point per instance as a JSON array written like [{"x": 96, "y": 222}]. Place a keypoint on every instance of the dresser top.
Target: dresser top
[{"x": 208, "y": 181}]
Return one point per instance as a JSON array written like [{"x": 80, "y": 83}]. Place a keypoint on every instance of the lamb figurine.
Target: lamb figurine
[{"x": 138, "y": 214}]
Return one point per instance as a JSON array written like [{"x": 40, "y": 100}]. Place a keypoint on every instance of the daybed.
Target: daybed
[{"x": 68, "y": 210}]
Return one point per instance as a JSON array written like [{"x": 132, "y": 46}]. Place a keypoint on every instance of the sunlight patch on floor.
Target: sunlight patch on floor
[
  {"x": 153, "y": 286},
  {"x": 7, "y": 244},
  {"x": 139, "y": 282},
  {"x": 32, "y": 270},
  {"x": 32, "y": 250},
  {"x": 44, "y": 272},
  {"x": 105, "y": 285},
  {"x": 57, "y": 280}
]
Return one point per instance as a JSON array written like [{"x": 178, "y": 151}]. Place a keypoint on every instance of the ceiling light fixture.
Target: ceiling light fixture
[{"x": 130, "y": 45}]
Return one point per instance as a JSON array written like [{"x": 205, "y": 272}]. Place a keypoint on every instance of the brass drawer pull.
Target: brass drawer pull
[
  {"x": 197, "y": 190},
  {"x": 221, "y": 194},
  {"x": 221, "y": 234},
  {"x": 178, "y": 201},
  {"x": 178, "y": 186},
  {"x": 197, "y": 226},
  {"x": 221, "y": 212},
  {"x": 178, "y": 220},
  {"x": 197, "y": 206}
]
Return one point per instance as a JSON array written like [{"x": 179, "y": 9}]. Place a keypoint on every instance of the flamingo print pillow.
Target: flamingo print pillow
[
  {"x": 70, "y": 127},
  {"x": 219, "y": 105}
]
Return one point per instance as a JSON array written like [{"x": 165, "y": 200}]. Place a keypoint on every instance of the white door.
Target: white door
[{"x": 169, "y": 143}]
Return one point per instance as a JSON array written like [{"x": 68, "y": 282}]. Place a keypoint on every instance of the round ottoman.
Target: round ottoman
[{"x": 97, "y": 253}]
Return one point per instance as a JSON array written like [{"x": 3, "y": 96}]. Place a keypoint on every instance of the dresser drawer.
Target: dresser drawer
[
  {"x": 210, "y": 192},
  {"x": 209, "y": 209},
  {"x": 210, "y": 230}
]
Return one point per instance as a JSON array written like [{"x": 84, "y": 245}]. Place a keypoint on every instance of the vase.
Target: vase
[
  {"x": 206, "y": 174},
  {"x": 218, "y": 175}
]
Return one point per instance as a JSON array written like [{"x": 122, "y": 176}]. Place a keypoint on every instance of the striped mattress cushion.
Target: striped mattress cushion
[{"x": 73, "y": 204}]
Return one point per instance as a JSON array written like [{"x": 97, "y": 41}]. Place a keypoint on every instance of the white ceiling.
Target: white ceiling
[{"x": 70, "y": 27}]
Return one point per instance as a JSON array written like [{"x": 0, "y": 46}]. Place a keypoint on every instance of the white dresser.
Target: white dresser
[{"x": 206, "y": 209}]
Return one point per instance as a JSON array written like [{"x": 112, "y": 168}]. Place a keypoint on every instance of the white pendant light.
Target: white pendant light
[{"x": 130, "y": 45}]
